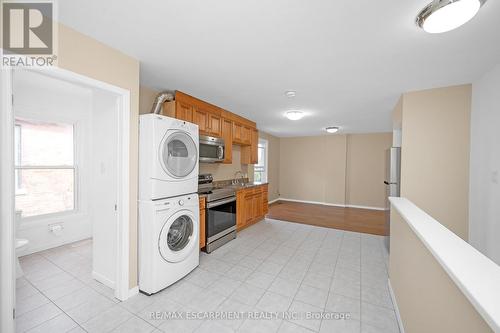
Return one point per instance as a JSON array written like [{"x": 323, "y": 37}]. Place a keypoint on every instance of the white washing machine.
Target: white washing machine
[
  {"x": 168, "y": 157},
  {"x": 168, "y": 241}
]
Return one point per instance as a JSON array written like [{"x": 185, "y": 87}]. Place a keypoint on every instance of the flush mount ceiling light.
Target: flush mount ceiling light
[
  {"x": 294, "y": 115},
  {"x": 445, "y": 15},
  {"x": 332, "y": 129},
  {"x": 290, "y": 93}
]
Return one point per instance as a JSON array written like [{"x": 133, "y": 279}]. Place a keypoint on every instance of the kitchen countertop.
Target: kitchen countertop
[
  {"x": 247, "y": 185},
  {"x": 237, "y": 187}
]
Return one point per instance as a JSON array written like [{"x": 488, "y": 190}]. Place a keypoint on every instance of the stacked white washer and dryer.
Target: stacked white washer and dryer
[{"x": 168, "y": 201}]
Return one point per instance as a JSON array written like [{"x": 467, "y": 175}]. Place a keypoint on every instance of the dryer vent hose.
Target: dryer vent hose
[{"x": 165, "y": 96}]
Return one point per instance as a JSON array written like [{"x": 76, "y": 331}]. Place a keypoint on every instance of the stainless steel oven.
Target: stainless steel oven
[
  {"x": 220, "y": 212},
  {"x": 211, "y": 149},
  {"x": 221, "y": 222}
]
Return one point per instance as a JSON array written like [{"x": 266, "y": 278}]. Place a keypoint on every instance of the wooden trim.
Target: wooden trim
[{"x": 202, "y": 235}]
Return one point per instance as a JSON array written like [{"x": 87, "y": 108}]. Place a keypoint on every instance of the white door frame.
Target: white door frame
[
  {"x": 7, "y": 251},
  {"x": 7, "y": 255}
]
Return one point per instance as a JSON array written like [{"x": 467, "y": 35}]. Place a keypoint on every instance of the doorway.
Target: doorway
[{"x": 70, "y": 150}]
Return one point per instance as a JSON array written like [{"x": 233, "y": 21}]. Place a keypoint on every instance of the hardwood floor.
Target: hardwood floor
[{"x": 351, "y": 219}]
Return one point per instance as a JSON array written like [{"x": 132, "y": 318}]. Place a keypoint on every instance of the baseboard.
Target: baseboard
[
  {"x": 330, "y": 204},
  {"x": 273, "y": 201},
  {"x": 30, "y": 249},
  {"x": 365, "y": 207},
  {"x": 312, "y": 202},
  {"x": 104, "y": 280},
  {"x": 134, "y": 291},
  {"x": 396, "y": 308}
]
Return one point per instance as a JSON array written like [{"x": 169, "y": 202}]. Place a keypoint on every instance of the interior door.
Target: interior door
[{"x": 178, "y": 154}]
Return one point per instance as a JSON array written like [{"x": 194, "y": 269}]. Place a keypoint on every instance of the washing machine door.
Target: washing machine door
[
  {"x": 178, "y": 236},
  {"x": 178, "y": 154}
]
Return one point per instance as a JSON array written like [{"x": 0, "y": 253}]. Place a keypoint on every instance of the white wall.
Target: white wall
[
  {"x": 484, "y": 209},
  {"x": 40, "y": 97}
]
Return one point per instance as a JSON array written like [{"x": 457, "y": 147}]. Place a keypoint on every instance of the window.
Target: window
[
  {"x": 260, "y": 169},
  {"x": 45, "y": 168}
]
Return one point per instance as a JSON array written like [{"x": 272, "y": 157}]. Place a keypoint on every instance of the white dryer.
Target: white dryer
[
  {"x": 168, "y": 157},
  {"x": 168, "y": 241}
]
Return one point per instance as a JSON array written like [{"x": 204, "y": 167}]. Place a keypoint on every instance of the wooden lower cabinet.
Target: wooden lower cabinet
[
  {"x": 265, "y": 200},
  {"x": 251, "y": 205},
  {"x": 202, "y": 222}
]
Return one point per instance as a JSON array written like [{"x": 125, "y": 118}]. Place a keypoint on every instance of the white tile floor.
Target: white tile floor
[{"x": 271, "y": 266}]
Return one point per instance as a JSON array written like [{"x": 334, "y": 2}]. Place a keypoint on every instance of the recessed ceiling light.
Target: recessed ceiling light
[
  {"x": 294, "y": 115},
  {"x": 290, "y": 93},
  {"x": 332, "y": 129},
  {"x": 445, "y": 15}
]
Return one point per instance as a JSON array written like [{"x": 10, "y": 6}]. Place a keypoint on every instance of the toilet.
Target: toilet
[{"x": 20, "y": 244}]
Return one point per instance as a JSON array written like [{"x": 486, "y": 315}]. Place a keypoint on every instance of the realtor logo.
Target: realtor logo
[
  {"x": 27, "y": 28},
  {"x": 29, "y": 33}
]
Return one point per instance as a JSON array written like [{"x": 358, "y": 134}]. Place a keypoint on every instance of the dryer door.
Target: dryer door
[
  {"x": 178, "y": 236},
  {"x": 178, "y": 154}
]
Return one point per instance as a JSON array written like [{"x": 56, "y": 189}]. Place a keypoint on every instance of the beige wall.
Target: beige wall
[
  {"x": 428, "y": 300},
  {"x": 365, "y": 171},
  {"x": 435, "y": 154},
  {"x": 313, "y": 168},
  {"x": 335, "y": 169},
  {"x": 84, "y": 55},
  {"x": 397, "y": 114},
  {"x": 146, "y": 99},
  {"x": 273, "y": 161}
]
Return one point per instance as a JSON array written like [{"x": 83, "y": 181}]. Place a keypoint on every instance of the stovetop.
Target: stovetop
[{"x": 214, "y": 194}]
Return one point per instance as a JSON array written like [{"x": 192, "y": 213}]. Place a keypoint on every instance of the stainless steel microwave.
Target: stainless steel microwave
[{"x": 211, "y": 149}]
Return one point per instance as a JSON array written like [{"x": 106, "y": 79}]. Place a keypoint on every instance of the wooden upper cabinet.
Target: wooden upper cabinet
[
  {"x": 179, "y": 110},
  {"x": 246, "y": 135},
  {"x": 184, "y": 111},
  {"x": 237, "y": 132},
  {"x": 254, "y": 147},
  {"x": 214, "y": 125},
  {"x": 210, "y": 118},
  {"x": 249, "y": 154},
  {"x": 242, "y": 134},
  {"x": 200, "y": 118},
  {"x": 227, "y": 135}
]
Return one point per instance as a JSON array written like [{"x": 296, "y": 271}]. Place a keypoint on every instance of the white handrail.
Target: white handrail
[{"x": 475, "y": 275}]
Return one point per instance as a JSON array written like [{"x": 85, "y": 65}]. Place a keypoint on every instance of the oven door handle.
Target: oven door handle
[{"x": 220, "y": 202}]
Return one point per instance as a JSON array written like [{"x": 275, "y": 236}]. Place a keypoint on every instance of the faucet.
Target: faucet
[{"x": 235, "y": 180}]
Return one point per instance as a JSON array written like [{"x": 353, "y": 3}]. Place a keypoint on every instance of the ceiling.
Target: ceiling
[{"x": 348, "y": 61}]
